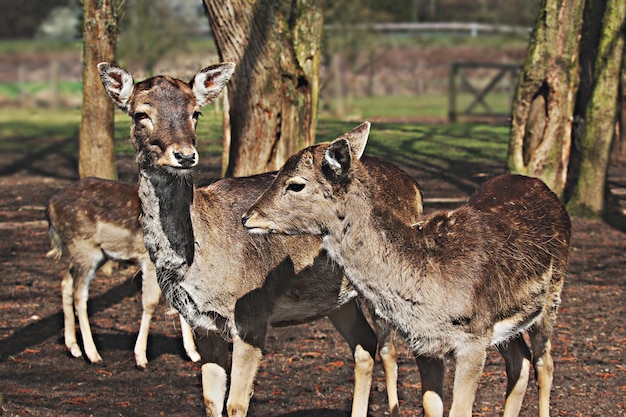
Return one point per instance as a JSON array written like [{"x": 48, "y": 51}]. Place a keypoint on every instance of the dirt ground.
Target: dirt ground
[{"x": 307, "y": 370}]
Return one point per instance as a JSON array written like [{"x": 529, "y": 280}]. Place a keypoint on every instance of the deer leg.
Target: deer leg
[
  {"x": 69, "y": 319},
  {"x": 432, "y": 372},
  {"x": 81, "y": 295},
  {"x": 544, "y": 365},
  {"x": 213, "y": 389},
  {"x": 246, "y": 360},
  {"x": 517, "y": 358},
  {"x": 387, "y": 351},
  {"x": 214, "y": 353},
  {"x": 188, "y": 342},
  {"x": 150, "y": 294},
  {"x": 353, "y": 326},
  {"x": 468, "y": 369}
]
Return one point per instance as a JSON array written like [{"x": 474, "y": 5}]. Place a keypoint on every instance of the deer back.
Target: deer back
[{"x": 96, "y": 214}]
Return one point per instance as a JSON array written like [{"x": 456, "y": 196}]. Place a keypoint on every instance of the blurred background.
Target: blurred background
[{"x": 394, "y": 60}]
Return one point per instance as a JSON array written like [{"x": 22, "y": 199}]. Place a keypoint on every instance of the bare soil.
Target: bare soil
[{"x": 307, "y": 370}]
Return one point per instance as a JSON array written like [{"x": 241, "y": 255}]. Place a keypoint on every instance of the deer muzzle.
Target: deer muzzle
[{"x": 179, "y": 157}]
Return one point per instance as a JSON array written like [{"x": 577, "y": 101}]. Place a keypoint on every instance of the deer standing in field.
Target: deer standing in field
[
  {"x": 219, "y": 277},
  {"x": 453, "y": 283},
  {"x": 97, "y": 220}
]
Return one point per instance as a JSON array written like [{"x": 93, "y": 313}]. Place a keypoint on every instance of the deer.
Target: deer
[
  {"x": 453, "y": 283},
  {"x": 96, "y": 220},
  {"x": 216, "y": 275}
]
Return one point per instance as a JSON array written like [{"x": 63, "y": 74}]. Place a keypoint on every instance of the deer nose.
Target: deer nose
[
  {"x": 185, "y": 160},
  {"x": 244, "y": 219}
]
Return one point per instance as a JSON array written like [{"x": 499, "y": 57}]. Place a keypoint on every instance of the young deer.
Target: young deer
[
  {"x": 96, "y": 220},
  {"x": 454, "y": 283},
  {"x": 210, "y": 269}
]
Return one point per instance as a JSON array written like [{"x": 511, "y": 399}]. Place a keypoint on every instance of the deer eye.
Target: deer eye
[
  {"x": 155, "y": 143},
  {"x": 296, "y": 187},
  {"x": 138, "y": 117}
]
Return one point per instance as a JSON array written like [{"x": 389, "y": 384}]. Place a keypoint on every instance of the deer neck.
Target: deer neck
[
  {"x": 168, "y": 234},
  {"x": 353, "y": 238},
  {"x": 364, "y": 242}
]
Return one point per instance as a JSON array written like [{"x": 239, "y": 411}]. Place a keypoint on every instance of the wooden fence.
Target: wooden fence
[{"x": 458, "y": 75}]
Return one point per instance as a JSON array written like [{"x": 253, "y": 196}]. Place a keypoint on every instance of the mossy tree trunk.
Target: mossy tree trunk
[
  {"x": 274, "y": 92},
  {"x": 96, "y": 139},
  {"x": 619, "y": 152},
  {"x": 540, "y": 136},
  {"x": 566, "y": 110},
  {"x": 588, "y": 198}
]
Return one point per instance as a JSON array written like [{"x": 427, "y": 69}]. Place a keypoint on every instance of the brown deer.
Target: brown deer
[
  {"x": 97, "y": 220},
  {"x": 454, "y": 283},
  {"x": 219, "y": 277}
]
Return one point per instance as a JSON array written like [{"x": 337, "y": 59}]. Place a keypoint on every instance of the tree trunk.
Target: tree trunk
[
  {"x": 540, "y": 137},
  {"x": 619, "y": 149},
  {"x": 588, "y": 198},
  {"x": 274, "y": 92},
  {"x": 96, "y": 144},
  {"x": 590, "y": 37}
]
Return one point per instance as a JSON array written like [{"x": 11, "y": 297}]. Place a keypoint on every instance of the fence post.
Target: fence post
[
  {"x": 337, "y": 84},
  {"x": 21, "y": 84},
  {"x": 54, "y": 84},
  {"x": 454, "y": 69}
]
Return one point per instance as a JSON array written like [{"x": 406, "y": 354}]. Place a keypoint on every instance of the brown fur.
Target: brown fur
[
  {"x": 216, "y": 275},
  {"x": 97, "y": 220},
  {"x": 454, "y": 283}
]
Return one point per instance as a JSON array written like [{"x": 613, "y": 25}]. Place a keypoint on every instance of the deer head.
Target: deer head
[
  {"x": 164, "y": 112},
  {"x": 314, "y": 177}
]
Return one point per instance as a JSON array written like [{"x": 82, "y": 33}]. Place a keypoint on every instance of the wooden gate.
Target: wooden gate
[{"x": 479, "y": 95}]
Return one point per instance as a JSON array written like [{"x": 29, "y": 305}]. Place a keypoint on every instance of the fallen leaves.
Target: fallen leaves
[
  {"x": 76, "y": 401},
  {"x": 104, "y": 372}
]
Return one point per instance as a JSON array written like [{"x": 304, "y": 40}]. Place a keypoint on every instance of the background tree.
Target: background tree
[
  {"x": 566, "y": 104},
  {"x": 346, "y": 38},
  {"x": 274, "y": 91},
  {"x": 96, "y": 145},
  {"x": 150, "y": 29},
  {"x": 619, "y": 152},
  {"x": 540, "y": 137},
  {"x": 588, "y": 198},
  {"x": 21, "y": 19}
]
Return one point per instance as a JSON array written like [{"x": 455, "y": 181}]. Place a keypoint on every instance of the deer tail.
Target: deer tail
[{"x": 56, "y": 243}]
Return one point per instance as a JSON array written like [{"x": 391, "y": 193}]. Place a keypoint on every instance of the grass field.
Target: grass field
[
  {"x": 424, "y": 106},
  {"x": 405, "y": 143}
]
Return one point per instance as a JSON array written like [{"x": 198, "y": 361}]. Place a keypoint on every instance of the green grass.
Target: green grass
[
  {"x": 12, "y": 90},
  {"x": 23, "y": 123},
  {"x": 407, "y": 144},
  {"x": 38, "y": 45},
  {"x": 20, "y": 127},
  {"x": 395, "y": 107},
  {"x": 424, "y": 106},
  {"x": 434, "y": 145}
]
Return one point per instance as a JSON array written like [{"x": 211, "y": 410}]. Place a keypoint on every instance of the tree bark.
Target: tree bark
[
  {"x": 274, "y": 92},
  {"x": 96, "y": 144},
  {"x": 588, "y": 198},
  {"x": 619, "y": 149},
  {"x": 540, "y": 136}
]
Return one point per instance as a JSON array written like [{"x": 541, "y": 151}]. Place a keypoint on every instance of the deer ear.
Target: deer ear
[
  {"x": 348, "y": 146},
  {"x": 117, "y": 82},
  {"x": 338, "y": 157},
  {"x": 357, "y": 138},
  {"x": 208, "y": 83}
]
